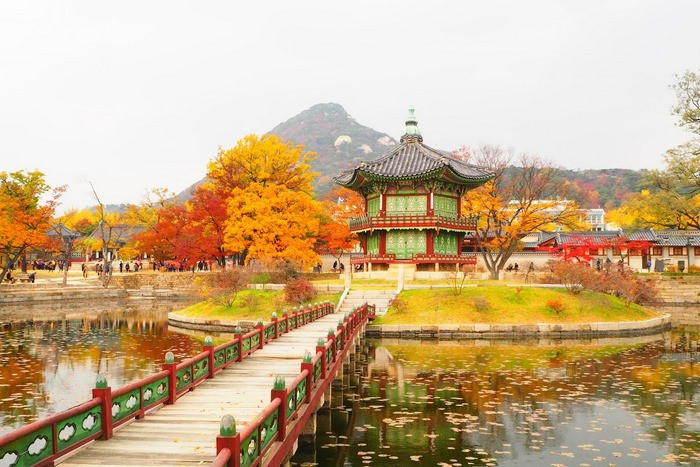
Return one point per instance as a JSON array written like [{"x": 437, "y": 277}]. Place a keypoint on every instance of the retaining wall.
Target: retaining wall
[{"x": 507, "y": 331}]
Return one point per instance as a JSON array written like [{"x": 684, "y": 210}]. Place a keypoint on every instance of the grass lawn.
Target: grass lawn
[
  {"x": 507, "y": 305},
  {"x": 249, "y": 305}
]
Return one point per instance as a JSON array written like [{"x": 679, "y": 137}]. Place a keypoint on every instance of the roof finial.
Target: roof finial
[{"x": 412, "y": 132}]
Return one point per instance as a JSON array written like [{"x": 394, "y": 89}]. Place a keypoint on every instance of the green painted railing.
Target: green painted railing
[
  {"x": 291, "y": 403},
  {"x": 43, "y": 441}
]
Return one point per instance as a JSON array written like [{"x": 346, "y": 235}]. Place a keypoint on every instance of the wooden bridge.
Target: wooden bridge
[{"x": 255, "y": 395}]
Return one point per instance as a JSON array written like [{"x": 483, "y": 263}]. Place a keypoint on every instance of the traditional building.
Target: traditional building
[{"x": 413, "y": 204}]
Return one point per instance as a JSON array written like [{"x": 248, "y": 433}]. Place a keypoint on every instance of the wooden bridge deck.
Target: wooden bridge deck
[{"x": 185, "y": 432}]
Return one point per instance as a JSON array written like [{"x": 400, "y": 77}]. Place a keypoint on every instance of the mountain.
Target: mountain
[{"x": 341, "y": 142}]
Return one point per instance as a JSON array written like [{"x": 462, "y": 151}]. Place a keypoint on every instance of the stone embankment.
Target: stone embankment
[
  {"x": 679, "y": 296},
  {"x": 508, "y": 331}
]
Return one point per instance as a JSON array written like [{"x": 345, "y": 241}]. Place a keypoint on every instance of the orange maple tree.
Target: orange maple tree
[
  {"x": 24, "y": 220},
  {"x": 334, "y": 235}
]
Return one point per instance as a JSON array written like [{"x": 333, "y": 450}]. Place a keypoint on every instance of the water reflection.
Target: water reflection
[
  {"x": 481, "y": 403},
  {"x": 50, "y": 362}
]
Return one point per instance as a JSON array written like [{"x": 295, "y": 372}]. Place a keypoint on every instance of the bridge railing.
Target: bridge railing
[
  {"x": 292, "y": 402},
  {"x": 43, "y": 441}
]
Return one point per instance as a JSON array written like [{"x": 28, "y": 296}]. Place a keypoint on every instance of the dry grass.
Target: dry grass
[
  {"x": 506, "y": 306},
  {"x": 267, "y": 302}
]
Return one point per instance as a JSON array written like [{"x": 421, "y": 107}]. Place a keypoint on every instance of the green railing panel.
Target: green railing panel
[
  {"x": 292, "y": 322},
  {"x": 219, "y": 358},
  {"x": 201, "y": 369},
  {"x": 281, "y": 326},
  {"x": 329, "y": 357},
  {"x": 269, "y": 333},
  {"x": 75, "y": 429},
  {"x": 291, "y": 404},
  {"x": 255, "y": 341},
  {"x": 155, "y": 391},
  {"x": 301, "y": 392},
  {"x": 339, "y": 341},
  {"x": 249, "y": 449},
  {"x": 232, "y": 352},
  {"x": 246, "y": 344},
  {"x": 28, "y": 450},
  {"x": 318, "y": 367},
  {"x": 184, "y": 377},
  {"x": 307, "y": 317},
  {"x": 269, "y": 430},
  {"x": 125, "y": 405}
]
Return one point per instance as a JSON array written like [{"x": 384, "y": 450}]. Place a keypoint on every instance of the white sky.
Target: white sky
[{"x": 134, "y": 95}]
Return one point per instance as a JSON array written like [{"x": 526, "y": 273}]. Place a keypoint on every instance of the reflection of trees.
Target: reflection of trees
[
  {"x": 523, "y": 397},
  {"x": 50, "y": 365}
]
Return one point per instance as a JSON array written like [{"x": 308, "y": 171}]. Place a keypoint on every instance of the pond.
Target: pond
[
  {"x": 613, "y": 402},
  {"x": 50, "y": 363}
]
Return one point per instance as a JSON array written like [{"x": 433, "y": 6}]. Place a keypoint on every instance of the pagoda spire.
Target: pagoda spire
[{"x": 412, "y": 132}]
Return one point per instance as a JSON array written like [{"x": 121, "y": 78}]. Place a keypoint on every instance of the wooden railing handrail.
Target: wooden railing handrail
[{"x": 103, "y": 396}]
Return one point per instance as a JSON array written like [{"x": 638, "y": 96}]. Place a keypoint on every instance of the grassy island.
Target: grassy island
[
  {"x": 249, "y": 306},
  {"x": 509, "y": 305}
]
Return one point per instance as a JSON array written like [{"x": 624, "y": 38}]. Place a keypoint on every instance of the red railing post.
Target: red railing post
[
  {"x": 261, "y": 329},
  {"x": 321, "y": 347},
  {"x": 229, "y": 439},
  {"x": 309, "y": 367},
  {"x": 172, "y": 377},
  {"x": 275, "y": 320},
  {"x": 279, "y": 390},
  {"x": 298, "y": 322},
  {"x": 331, "y": 337},
  {"x": 238, "y": 332},
  {"x": 341, "y": 328},
  {"x": 104, "y": 392},
  {"x": 209, "y": 348}
]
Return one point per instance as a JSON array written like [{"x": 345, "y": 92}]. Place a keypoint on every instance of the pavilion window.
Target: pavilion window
[
  {"x": 678, "y": 251},
  {"x": 697, "y": 251},
  {"x": 656, "y": 251}
]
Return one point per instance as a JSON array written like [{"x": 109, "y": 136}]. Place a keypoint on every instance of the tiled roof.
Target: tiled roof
[
  {"x": 659, "y": 238},
  {"x": 411, "y": 159}
]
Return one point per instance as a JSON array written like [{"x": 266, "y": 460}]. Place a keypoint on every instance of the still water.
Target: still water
[
  {"x": 50, "y": 362},
  {"x": 616, "y": 402},
  {"x": 613, "y": 402}
]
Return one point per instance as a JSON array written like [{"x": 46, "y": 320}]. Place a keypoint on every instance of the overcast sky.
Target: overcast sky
[{"x": 137, "y": 95}]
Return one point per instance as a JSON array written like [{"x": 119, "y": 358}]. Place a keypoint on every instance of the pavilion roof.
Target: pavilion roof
[{"x": 412, "y": 159}]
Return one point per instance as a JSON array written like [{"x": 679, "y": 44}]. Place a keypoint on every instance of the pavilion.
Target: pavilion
[{"x": 413, "y": 215}]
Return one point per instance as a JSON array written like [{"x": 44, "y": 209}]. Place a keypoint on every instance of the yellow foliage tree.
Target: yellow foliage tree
[
  {"x": 272, "y": 223},
  {"x": 513, "y": 205},
  {"x": 263, "y": 160}
]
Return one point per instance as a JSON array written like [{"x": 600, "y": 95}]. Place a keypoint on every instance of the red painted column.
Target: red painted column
[
  {"x": 308, "y": 366},
  {"x": 172, "y": 382},
  {"x": 209, "y": 348},
  {"x": 106, "y": 405},
  {"x": 280, "y": 394},
  {"x": 261, "y": 329},
  {"x": 383, "y": 206},
  {"x": 322, "y": 349}
]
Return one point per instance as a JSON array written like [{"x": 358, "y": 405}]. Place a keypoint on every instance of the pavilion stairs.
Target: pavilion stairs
[{"x": 355, "y": 298}]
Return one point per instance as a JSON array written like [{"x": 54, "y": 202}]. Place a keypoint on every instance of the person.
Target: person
[
  {"x": 342, "y": 267},
  {"x": 597, "y": 264},
  {"x": 509, "y": 268},
  {"x": 515, "y": 268},
  {"x": 320, "y": 267},
  {"x": 127, "y": 268},
  {"x": 84, "y": 269},
  {"x": 9, "y": 277},
  {"x": 32, "y": 277},
  {"x": 335, "y": 265},
  {"x": 649, "y": 265},
  {"x": 121, "y": 266}
]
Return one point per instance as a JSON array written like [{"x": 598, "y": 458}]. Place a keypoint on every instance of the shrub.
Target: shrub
[
  {"x": 299, "y": 291},
  {"x": 481, "y": 303},
  {"x": 693, "y": 268},
  {"x": 251, "y": 301},
  {"x": 224, "y": 285},
  {"x": 398, "y": 304},
  {"x": 288, "y": 270},
  {"x": 262, "y": 278},
  {"x": 672, "y": 268},
  {"x": 556, "y": 305},
  {"x": 573, "y": 276}
]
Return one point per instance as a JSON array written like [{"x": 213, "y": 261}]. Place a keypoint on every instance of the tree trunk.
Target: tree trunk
[
  {"x": 66, "y": 261},
  {"x": 495, "y": 274},
  {"x": 9, "y": 262}
]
